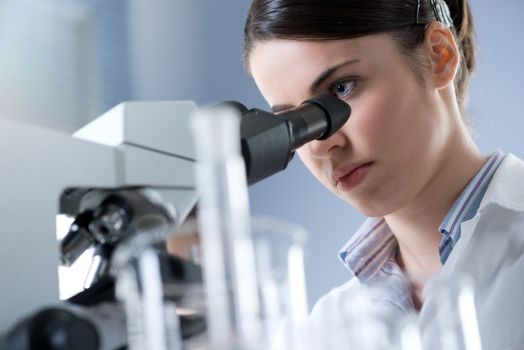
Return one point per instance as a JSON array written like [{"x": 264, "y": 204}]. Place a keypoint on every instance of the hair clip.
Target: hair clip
[
  {"x": 418, "y": 13},
  {"x": 441, "y": 10}
]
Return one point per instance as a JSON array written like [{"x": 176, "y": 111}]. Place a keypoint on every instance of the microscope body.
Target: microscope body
[{"x": 136, "y": 145}]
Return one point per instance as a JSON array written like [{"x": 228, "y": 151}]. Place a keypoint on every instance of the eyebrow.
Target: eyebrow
[
  {"x": 317, "y": 82},
  {"x": 328, "y": 73}
]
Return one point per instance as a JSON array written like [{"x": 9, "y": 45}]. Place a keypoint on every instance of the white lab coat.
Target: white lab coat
[{"x": 491, "y": 250}]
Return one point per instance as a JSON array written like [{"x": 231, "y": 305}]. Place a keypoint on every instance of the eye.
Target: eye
[{"x": 343, "y": 89}]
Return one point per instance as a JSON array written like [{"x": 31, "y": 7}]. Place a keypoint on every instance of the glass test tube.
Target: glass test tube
[{"x": 223, "y": 215}]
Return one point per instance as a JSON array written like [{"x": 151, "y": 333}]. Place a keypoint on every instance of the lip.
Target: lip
[{"x": 350, "y": 175}]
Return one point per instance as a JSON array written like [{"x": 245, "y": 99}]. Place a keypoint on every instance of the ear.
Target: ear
[{"x": 443, "y": 54}]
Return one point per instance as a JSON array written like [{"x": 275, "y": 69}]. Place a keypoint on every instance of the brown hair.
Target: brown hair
[{"x": 346, "y": 19}]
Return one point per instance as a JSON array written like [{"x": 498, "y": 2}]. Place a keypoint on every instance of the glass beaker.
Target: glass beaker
[
  {"x": 162, "y": 309},
  {"x": 279, "y": 261},
  {"x": 278, "y": 248}
]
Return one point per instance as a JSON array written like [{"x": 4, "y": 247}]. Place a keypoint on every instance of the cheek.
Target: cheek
[
  {"x": 374, "y": 120},
  {"x": 390, "y": 119}
]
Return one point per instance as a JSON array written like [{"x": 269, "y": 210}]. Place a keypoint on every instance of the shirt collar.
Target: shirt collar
[
  {"x": 467, "y": 204},
  {"x": 369, "y": 248},
  {"x": 506, "y": 188}
]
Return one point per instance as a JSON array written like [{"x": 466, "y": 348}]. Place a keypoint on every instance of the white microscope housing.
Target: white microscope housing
[{"x": 135, "y": 144}]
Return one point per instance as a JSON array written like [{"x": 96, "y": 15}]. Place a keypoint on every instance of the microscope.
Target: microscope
[{"x": 126, "y": 172}]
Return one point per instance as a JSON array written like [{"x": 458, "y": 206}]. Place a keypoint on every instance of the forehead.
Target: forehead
[{"x": 292, "y": 65}]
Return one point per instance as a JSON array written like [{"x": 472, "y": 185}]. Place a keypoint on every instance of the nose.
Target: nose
[{"x": 323, "y": 148}]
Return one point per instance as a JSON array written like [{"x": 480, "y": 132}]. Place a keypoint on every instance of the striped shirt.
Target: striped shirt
[
  {"x": 466, "y": 206},
  {"x": 370, "y": 253}
]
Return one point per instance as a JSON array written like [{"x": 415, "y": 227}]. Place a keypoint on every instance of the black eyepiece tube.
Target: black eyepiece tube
[{"x": 269, "y": 140}]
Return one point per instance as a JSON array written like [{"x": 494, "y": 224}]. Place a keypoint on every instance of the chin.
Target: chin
[{"x": 369, "y": 207}]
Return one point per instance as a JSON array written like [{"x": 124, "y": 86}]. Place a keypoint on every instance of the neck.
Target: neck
[{"x": 416, "y": 225}]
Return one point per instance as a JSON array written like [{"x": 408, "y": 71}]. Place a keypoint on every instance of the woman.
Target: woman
[{"x": 405, "y": 158}]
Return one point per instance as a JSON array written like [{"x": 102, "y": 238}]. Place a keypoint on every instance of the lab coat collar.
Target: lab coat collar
[
  {"x": 507, "y": 185},
  {"x": 505, "y": 191}
]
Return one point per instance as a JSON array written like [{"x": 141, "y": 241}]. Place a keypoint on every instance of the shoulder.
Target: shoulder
[
  {"x": 331, "y": 299},
  {"x": 343, "y": 312},
  {"x": 326, "y": 318},
  {"x": 337, "y": 292}
]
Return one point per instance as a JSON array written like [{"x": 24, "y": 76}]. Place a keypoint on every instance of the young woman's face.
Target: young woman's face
[{"x": 395, "y": 140}]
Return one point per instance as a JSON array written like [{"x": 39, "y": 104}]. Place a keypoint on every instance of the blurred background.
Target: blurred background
[{"x": 64, "y": 62}]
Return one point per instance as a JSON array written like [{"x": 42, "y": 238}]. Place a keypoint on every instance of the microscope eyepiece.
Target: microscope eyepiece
[
  {"x": 269, "y": 140},
  {"x": 336, "y": 111}
]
